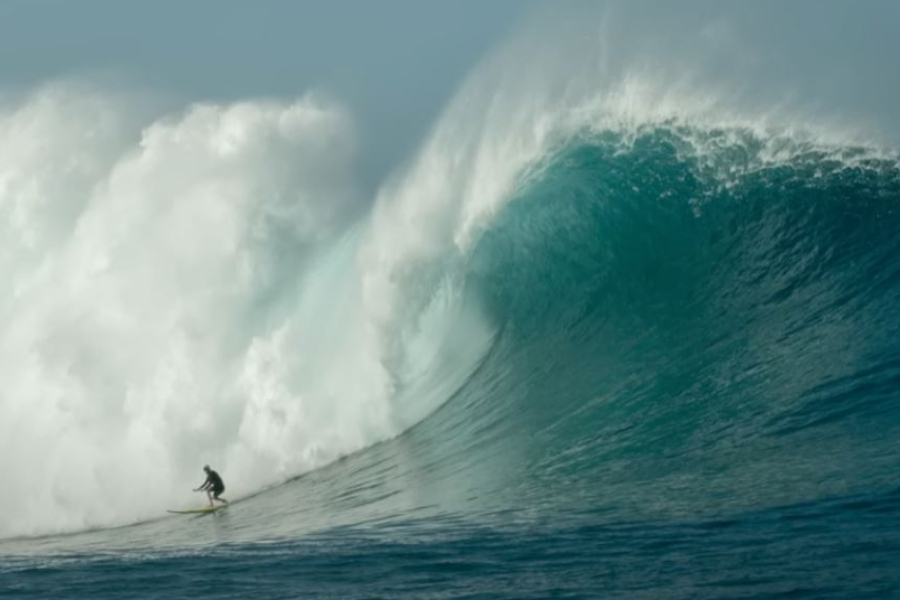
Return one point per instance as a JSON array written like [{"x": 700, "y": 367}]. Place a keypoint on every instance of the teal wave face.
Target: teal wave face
[{"x": 685, "y": 331}]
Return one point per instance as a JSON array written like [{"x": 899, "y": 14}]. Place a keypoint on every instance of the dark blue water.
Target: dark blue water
[{"x": 694, "y": 393}]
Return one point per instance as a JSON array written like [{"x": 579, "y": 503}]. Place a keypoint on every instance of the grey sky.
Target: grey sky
[{"x": 395, "y": 63}]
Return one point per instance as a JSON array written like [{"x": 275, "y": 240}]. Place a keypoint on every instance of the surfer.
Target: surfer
[{"x": 213, "y": 486}]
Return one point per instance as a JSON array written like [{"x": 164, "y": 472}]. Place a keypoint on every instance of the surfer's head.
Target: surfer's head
[{"x": 206, "y": 468}]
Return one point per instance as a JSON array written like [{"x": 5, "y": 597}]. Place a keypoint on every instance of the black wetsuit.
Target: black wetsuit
[{"x": 215, "y": 482}]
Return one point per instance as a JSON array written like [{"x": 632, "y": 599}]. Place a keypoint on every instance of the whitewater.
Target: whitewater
[{"x": 618, "y": 328}]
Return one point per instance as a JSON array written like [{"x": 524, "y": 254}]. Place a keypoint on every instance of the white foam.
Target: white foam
[
  {"x": 143, "y": 265},
  {"x": 189, "y": 290}
]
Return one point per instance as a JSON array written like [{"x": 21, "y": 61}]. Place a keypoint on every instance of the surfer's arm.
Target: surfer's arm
[{"x": 204, "y": 486}]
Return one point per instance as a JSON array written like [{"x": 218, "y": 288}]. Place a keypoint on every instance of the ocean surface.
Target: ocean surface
[{"x": 644, "y": 357}]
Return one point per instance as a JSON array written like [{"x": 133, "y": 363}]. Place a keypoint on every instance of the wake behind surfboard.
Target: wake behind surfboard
[{"x": 196, "y": 510}]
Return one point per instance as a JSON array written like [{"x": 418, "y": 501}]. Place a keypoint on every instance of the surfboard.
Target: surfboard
[{"x": 196, "y": 510}]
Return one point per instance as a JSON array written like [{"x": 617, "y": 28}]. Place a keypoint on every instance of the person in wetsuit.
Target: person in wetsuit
[{"x": 213, "y": 486}]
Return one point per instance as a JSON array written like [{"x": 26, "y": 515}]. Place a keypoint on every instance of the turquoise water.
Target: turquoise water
[{"x": 691, "y": 390}]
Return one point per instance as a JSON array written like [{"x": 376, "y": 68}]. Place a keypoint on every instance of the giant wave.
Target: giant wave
[{"x": 628, "y": 302}]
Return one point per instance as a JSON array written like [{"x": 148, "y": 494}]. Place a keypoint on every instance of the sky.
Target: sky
[{"x": 395, "y": 63}]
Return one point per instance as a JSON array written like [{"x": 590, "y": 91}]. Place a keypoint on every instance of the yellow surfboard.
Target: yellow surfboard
[{"x": 196, "y": 510}]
